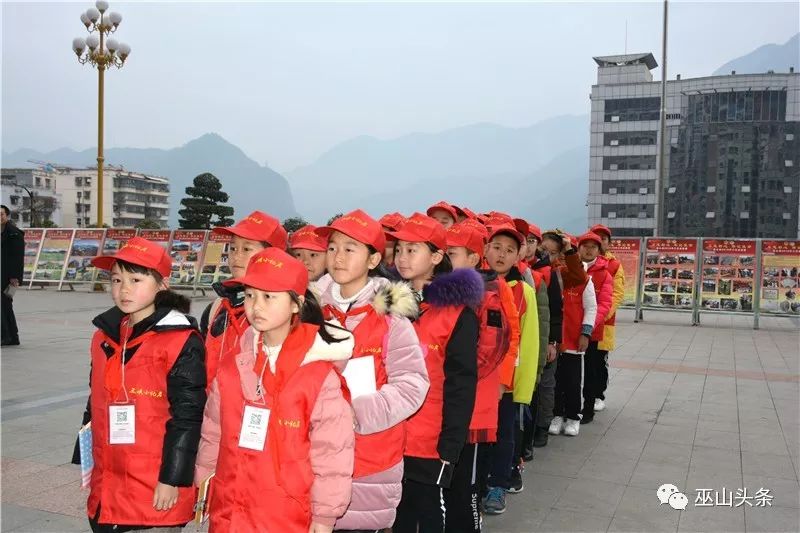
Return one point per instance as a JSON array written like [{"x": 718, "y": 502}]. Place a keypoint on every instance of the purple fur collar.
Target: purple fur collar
[{"x": 463, "y": 286}]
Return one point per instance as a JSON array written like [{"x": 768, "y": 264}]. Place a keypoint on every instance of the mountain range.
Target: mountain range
[{"x": 776, "y": 57}]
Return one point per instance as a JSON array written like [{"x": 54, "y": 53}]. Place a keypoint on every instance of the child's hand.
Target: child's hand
[
  {"x": 165, "y": 497},
  {"x": 583, "y": 343},
  {"x": 552, "y": 352},
  {"x": 319, "y": 528}
]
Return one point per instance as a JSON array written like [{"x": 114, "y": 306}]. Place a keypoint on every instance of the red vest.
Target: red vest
[
  {"x": 267, "y": 490},
  {"x": 380, "y": 451},
  {"x": 227, "y": 341},
  {"x": 125, "y": 475},
  {"x": 483, "y": 425},
  {"x": 613, "y": 267},
  {"x": 433, "y": 328},
  {"x": 573, "y": 317},
  {"x": 545, "y": 272}
]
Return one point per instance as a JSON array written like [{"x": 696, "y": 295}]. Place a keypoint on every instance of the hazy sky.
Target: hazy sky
[{"x": 286, "y": 82}]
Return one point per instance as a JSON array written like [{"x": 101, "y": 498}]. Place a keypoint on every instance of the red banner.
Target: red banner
[
  {"x": 218, "y": 237},
  {"x": 722, "y": 246},
  {"x": 672, "y": 245},
  {"x": 120, "y": 234},
  {"x": 189, "y": 235},
  {"x": 780, "y": 247}
]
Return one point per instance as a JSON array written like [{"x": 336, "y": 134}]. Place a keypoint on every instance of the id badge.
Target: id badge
[
  {"x": 254, "y": 428},
  {"x": 122, "y": 424}
]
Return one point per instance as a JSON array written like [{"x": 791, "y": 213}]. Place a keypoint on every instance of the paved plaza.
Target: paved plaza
[{"x": 712, "y": 410}]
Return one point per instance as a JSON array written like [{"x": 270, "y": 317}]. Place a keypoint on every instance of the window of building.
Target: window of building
[
  {"x": 14, "y": 200},
  {"x": 787, "y": 216},
  {"x": 38, "y": 182},
  {"x": 787, "y": 190},
  {"x": 789, "y": 163},
  {"x": 614, "y": 142},
  {"x": 642, "y": 214},
  {"x": 744, "y": 214},
  {"x": 87, "y": 195},
  {"x": 629, "y": 162},
  {"x": 78, "y": 181},
  {"x": 711, "y": 188},
  {"x": 47, "y": 183},
  {"x": 86, "y": 221},
  {"x": 612, "y": 214},
  {"x": 671, "y": 214},
  {"x": 745, "y": 188},
  {"x": 628, "y": 109},
  {"x": 630, "y": 138},
  {"x": 672, "y": 190},
  {"x": 710, "y": 214},
  {"x": 612, "y": 190},
  {"x": 642, "y": 190},
  {"x": 612, "y": 166},
  {"x": 25, "y": 216},
  {"x": 790, "y": 136}
]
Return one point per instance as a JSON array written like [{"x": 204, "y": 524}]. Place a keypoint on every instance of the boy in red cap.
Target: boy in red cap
[
  {"x": 309, "y": 248},
  {"x": 277, "y": 427},
  {"x": 223, "y": 320},
  {"x": 439, "y": 463},
  {"x": 386, "y": 375},
  {"x": 443, "y": 213},
  {"x": 590, "y": 250},
  {"x": 609, "y": 330},
  {"x": 502, "y": 254},
  {"x": 147, "y": 384}
]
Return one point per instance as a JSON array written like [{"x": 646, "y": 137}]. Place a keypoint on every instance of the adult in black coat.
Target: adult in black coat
[{"x": 12, "y": 249}]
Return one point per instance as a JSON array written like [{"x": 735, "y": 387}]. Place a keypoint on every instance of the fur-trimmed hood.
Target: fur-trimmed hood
[
  {"x": 463, "y": 286},
  {"x": 395, "y": 298}
]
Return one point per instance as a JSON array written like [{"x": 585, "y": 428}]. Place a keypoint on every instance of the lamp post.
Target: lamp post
[{"x": 101, "y": 53}]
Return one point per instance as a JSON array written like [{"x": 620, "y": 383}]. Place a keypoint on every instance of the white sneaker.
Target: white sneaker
[
  {"x": 557, "y": 425},
  {"x": 572, "y": 428},
  {"x": 599, "y": 405}
]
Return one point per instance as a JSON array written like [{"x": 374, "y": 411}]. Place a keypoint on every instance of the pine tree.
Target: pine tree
[
  {"x": 203, "y": 202},
  {"x": 294, "y": 223}
]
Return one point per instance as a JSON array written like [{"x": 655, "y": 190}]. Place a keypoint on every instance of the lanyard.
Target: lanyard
[
  {"x": 125, "y": 337},
  {"x": 258, "y": 346}
]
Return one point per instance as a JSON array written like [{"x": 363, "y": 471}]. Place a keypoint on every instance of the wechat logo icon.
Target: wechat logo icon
[{"x": 670, "y": 495}]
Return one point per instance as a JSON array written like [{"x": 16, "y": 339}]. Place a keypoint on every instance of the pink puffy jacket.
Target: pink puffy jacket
[{"x": 376, "y": 497}]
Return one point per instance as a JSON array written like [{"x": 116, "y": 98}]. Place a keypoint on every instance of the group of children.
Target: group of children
[{"x": 370, "y": 374}]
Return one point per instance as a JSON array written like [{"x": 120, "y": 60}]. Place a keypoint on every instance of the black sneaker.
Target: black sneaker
[
  {"x": 587, "y": 417},
  {"x": 540, "y": 436},
  {"x": 516, "y": 480},
  {"x": 527, "y": 455}
]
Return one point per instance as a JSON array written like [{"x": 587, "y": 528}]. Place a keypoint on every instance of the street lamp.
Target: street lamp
[{"x": 102, "y": 54}]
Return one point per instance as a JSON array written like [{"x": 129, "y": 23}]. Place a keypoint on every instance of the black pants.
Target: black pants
[
  {"x": 568, "y": 386},
  {"x": 595, "y": 376},
  {"x": 503, "y": 450},
  {"x": 527, "y": 420},
  {"x": 422, "y": 509},
  {"x": 8, "y": 319},
  {"x": 462, "y": 499}
]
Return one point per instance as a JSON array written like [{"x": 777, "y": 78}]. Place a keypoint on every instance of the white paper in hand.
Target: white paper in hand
[{"x": 360, "y": 376}]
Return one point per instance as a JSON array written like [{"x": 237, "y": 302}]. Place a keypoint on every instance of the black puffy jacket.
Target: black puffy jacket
[{"x": 186, "y": 392}]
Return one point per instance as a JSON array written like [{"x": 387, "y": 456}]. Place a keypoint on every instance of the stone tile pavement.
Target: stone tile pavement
[{"x": 711, "y": 407}]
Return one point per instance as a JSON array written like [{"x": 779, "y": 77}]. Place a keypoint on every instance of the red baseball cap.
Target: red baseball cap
[
  {"x": 466, "y": 235},
  {"x": 444, "y": 206},
  {"x": 477, "y": 226},
  {"x": 465, "y": 211},
  {"x": 141, "y": 252},
  {"x": 392, "y": 221},
  {"x": 535, "y": 230},
  {"x": 422, "y": 228},
  {"x": 522, "y": 226},
  {"x": 589, "y": 237},
  {"x": 599, "y": 228},
  {"x": 495, "y": 218},
  {"x": 258, "y": 226},
  {"x": 273, "y": 270},
  {"x": 506, "y": 229},
  {"x": 306, "y": 239},
  {"x": 359, "y": 226}
]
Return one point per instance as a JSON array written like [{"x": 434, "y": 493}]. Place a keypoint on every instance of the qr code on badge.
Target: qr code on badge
[
  {"x": 122, "y": 417},
  {"x": 255, "y": 419}
]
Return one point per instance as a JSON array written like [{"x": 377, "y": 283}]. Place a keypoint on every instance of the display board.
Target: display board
[
  {"x": 669, "y": 273},
  {"x": 33, "y": 242},
  {"x": 780, "y": 277},
  {"x": 186, "y": 251},
  {"x": 87, "y": 244},
  {"x": 215, "y": 260},
  {"x": 628, "y": 253},
  {"x": 52, "y": 260},
  {"x": 727, "y": 275},
  {"x": 114, "y": 240},
  {"x": 158, "y": 236}
]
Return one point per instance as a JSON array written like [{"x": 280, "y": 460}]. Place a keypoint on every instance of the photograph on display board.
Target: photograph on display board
[
  {"x": 158, "y": 236},
  {"x": 626, "y": 251},
  {"x": 114, "y": 240},
  {"x": 53, "y": 255},
  {"x": 33, "y": 241},
  {"x": 669, "y": 273},
  {"x": 727, "y": 275},
  {"x": 186, "y": 252},
  {"x": 780, "y": 279},
  {"x": 215, "y": 260},
  {"x": 86, "y": 246}
]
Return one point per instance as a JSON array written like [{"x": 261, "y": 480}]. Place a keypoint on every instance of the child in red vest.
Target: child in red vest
[
  {"x": 386, "y": 375},
  {"x": 223, "y": 320},
  {"x": 593, "y": 361},
  {"x": 148, "y": 384},
  {"x": 277, "y": 430},
  {"x": 309, "y": 248},
  {"x": 439, "y": 465}
]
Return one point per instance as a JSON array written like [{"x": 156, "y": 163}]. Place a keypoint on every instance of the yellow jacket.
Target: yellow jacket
[{"x": 618, "y": 294}]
